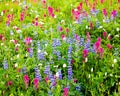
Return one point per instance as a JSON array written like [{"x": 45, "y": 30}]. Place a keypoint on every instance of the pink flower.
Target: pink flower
[
  {"x": 101, "y": 51},
  {"x": 1, "y": 36},
  {"x": 101, "y": 1},
  {"x": 9, "y": 83},
  {"x": 99, "y": 39},
  {"x": 118, "y": 1},
  {"x": 113, "y": 14},
  {"x": 50, "y": 10},
  {"x": 104, "y": 12},
  {"x": 109, "y": 46},
  {"x": 36, "y": 23},
  {"x": 67, "y": 30},
  {"x": 91, "y": 25},
  {"x": 104, "y": 34},
  {"x": 46, "y": 79},
  {"x": 65, "y": 91},
  {"x": 28, "y": 40},
  {"x": 36, "y": 83},
  {"x": 28, "y": 49},
  {"x": 26, "y": 80},
  {"x": 85, "y": 53},
  {"x": 97, "y": 45},
  {"x": 88, "y": 36},
  {"x": 60, "y": 29},
  {"x": 63, "y": 37}
]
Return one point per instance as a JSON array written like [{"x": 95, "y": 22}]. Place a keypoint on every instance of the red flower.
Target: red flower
[
  {"x": 65, "y": 91},
  {"x": 104, "y": 34},
  {"x": 109, "y": 46},
  {"x": 1, "y": 36},
  {"x": 104, "y": 12},
  {"x": 26, "y": 80},
  {"x": 28, "y": 40},
  {"x": 101, "y": 51},
  {"x": 9, "y": 83},
  {"x": 85, "y": 53},
  {"x": 36, "y": 83}
]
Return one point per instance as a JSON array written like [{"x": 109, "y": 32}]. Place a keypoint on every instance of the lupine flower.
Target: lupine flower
[
  {"x": 104, "y": 34},
  {"x": 37, "y": 73},
  {"x": 65, "y": 91},
  {"x": 70, "y": 72},
  {"x": 5, "y": 64},
  {"x": 109, "y": 46},
  {"x": 52, "y": 80},
  {"x": 58, "y": 55},
  {"x": 69, "y": 54},
  {"x": 82, "y": 42},
  {"x": 26, "y": 80},
  {"x": 85, "y": 53},
  {"x": 36, "y": 83},
  {"x": 31, "y": 52},
  {"x": 60, "y": 74},
  {"x": 47, "y": 69}
]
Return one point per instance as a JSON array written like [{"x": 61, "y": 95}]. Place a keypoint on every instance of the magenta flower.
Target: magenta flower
[
  {"x": 101, "y": 1},
  {"x": 26, "y": 80},
  {"x": 109, "y": 46},
  {"x": 67, "y": 30},
  {"x": 28, "y": 40},
  {"x": 50, "y": 10},
  {"x": 97, "y": 45},
  {"x": 36, "y": 83},
  {"x": 63, "y": 37},
  {"x": 46, "y": 79},
  {"x": 104, "y": 12},
  {"x": 104, "y": 34},
  {"x": 85, "y": 53},
  {"x": 65, "y": 91},
  {"x": 101, "y": 51},
  {"x": 9, "y": 83},
  {"x": 118, "y": 1}
]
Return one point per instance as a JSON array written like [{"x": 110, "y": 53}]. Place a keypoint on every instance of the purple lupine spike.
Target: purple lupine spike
[
  {"x": 69, "y": 54},
  {"x": 70, "y": 72},
  {"x": 31, "y": 52},
  {"x": 5, "y": 64},
  {"x": 60, "y": 74},
  {"x": 47, "y": 69},
  {"x": 37, "y": 74}
]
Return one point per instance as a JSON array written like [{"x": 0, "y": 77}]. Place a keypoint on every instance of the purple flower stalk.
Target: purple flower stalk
[
  {"x": 70, "y": 72},
  {"x": 37, "y": 73},
  {"x": 5, "y": 64}
]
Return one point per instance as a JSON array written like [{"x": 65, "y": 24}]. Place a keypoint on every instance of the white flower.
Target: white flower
[
  {"x": 115, "y": 60},
  {"x": 75, "y": 9},
  {"x": 89, "y": 76},
  {"x": 57, "y": 74},
  {"x": 18, "y": 56},
  {"x": 112, "y": 65},
  {"x": 16, "y": 65},
  {"x": 105, "y": 73},
  {"x": 117, "y": 29},
  {"x": 64, "y": 65},
  {"x": 92, "y": 69},
  {"x": 45, "y": 53},
  {"x": 86, "y": 27},
  {"x": 39, "y": 51},
  {"x": 2, "y": 13},
  {"x": 40, "y": 64},
  {"x": 86, "y": 59},
  {"x": 2, "y": 44},
  {"x": 100, "y": 26},
  {"x": 55, "y": 66}
]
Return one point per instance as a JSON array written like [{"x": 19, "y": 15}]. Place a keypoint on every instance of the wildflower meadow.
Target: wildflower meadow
[{"x": 59, "y": 47}]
